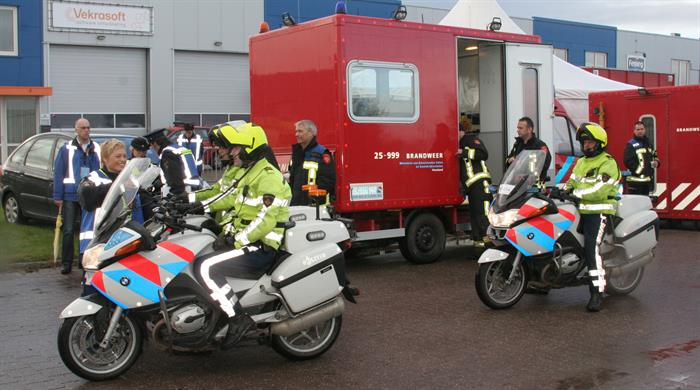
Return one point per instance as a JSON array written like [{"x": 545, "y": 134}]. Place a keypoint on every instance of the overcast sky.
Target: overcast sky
[{"x": 653, "y": 16}]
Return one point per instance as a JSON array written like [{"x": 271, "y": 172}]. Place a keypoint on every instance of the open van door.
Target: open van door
[{"x": 529, "y": 91}]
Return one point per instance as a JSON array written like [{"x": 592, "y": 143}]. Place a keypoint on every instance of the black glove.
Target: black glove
[
  {"x": 181, "y": 198},
  {"x": 555, "y": 193},
  {"x": 189, "y": 208},
  {"x": 224, "y": 242}
]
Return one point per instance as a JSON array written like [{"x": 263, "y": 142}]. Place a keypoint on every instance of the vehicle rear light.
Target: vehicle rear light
[{"x": 345, "y": 245}]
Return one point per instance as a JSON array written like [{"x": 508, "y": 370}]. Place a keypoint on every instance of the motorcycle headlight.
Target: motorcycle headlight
[
  {"x": 91, "y": 257},
  {"x": 504, "y": 219}
]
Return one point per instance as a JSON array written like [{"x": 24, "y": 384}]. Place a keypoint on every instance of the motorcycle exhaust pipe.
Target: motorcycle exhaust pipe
[
  {"x": 295, "y": 325},
  {"x": 629, "y": 267}
]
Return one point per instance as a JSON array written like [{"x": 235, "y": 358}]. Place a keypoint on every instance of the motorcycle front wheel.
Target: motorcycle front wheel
[
  {"x": 626, "y": 283},
  {"x": 493, "y": 287},
  {"x": 309, "y": 343},
  {"x": 79, "y": 347}
]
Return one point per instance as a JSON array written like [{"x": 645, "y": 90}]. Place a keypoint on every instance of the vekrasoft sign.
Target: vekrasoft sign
[
  {"x": 635, "y": 63},
  {"x": 73, "y": 15}
]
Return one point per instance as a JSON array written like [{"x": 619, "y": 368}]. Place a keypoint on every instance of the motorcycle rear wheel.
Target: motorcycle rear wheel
[
  {"x": 78, "y": 345},
  {"x": 309, "y": 343},
  {"x": 491, "y": 286},
  {"x": 625, "y": 284}
]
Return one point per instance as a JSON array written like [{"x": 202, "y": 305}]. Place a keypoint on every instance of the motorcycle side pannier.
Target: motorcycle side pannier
[
  {"x": 637, "y": 233},
  {"x": 312, "y": 277}
]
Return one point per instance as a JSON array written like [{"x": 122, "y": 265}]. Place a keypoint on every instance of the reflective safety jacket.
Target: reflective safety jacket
[
  {"x": 91, "y": 196},
  {"x": 594, "y": 180},
  {"x": 258, "y": 206},
  {"x": 71, "y": 165},
  {"x": 639, "y": 154},
  {"x": 311, "y": 165},
  {"x": 178, "y": 171},
  {"x": 217, "y": 191},
  {"x": 474, "y": 156},
  {"x": 194, "y": 144}
]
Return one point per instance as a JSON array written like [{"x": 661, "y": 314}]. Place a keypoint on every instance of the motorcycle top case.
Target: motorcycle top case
[{"x": 311, "y": 277}]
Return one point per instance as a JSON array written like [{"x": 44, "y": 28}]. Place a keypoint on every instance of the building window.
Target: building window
[
  {"x": 8, "y": 31},
  {"x": 531, "y": 95},
  {"x": 106, "y": 121},
  {"x": 382, "y": 92},
  {"x": 562, "y": 53},
  {"x": 681, "y": 71},
  {"x": 596, "y": 59}
]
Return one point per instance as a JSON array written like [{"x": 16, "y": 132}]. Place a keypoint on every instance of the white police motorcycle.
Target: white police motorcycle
[{"x": 146, "y": 286}]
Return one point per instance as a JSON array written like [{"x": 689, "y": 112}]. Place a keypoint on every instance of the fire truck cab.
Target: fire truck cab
[{"x": 386, "y": 97}]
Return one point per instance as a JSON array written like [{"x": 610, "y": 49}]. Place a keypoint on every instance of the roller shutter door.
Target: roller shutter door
[
  {"x": 97, "y": 80},
  {"x": 211, "y": 83}
]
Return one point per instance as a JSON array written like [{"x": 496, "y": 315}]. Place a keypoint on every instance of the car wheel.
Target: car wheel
[{"x": 12, "y": 210}]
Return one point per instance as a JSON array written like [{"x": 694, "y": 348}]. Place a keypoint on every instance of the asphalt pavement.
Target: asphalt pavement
[{"x": 414, "y": 327}]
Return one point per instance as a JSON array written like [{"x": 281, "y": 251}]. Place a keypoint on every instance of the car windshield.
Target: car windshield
[
  {"x": 122, "y": 193},
  {"x": 522, "y": 175}
]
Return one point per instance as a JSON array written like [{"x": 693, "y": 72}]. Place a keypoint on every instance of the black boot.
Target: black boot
[
  {"x": 66, "y": 268},
  {"x": 238, "y": 325},
  {"x": 595, "y": 302}
]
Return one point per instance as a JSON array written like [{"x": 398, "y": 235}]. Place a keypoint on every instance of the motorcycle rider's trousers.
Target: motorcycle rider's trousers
[
  {"x": 246, "y": 262},
  {"x": 593, "y": 233},
  {"x": 479, "y": 201}
]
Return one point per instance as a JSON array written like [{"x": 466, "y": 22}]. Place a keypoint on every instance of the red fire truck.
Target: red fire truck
[
  {"x": 671, "y": 117},
  {"x": 386, "y": 96}
]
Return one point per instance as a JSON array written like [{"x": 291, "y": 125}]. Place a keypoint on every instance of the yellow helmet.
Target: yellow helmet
[
  {"x": 593, "y": 131},
  {"x": 249, "y": 136}
]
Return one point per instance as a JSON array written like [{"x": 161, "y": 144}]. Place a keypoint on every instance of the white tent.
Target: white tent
[{"x": 571, "y": 83}]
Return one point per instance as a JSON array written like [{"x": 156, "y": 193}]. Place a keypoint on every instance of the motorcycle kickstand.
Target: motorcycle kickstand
[{"x": 112, "y": 325}]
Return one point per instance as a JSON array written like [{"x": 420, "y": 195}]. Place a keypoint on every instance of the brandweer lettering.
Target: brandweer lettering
[{"x": 90, "y": 15}]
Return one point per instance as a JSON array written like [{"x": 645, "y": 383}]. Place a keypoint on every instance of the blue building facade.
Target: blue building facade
[
  {"x": 305, "y": 10},
  {"x": 578, "y": 38},
  {"x": 25, "y": 68}
]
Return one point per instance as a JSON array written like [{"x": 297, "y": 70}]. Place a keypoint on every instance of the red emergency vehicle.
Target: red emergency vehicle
[
  {"x": 670, "y": 115},
  {"x": 386, "y": 96}
]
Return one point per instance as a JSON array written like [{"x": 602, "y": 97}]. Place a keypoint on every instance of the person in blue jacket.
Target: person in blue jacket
[
  {"x": 94, "y": 187},
  {"x": 193, "y": 142},
  {"x": 311, "y": 164},
  {"x": 74, "y": 161},
  {"x": 179, "y": 173}
]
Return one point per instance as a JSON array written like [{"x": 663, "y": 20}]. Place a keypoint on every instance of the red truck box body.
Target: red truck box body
[
  {"x": 641, "y": 79},
  {"x": 672, "y": 118},
  {"x": 299, "y": 72}
]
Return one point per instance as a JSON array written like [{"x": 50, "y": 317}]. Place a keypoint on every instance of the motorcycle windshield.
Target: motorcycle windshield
[
  {"x": 121, "y": 194},
  {"x": 522, "y": 175}
]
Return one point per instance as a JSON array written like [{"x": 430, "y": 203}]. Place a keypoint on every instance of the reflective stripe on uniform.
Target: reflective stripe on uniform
[
  {"x": 640, "y": 156},
  {"x": 273, "y": 236},
  {"x": 87, "y": 235},
  {"x": 70, "y": 179},
  {"x": 218, "y": 293},
  {"x": 478, "y": 176},
  {"x": 597, "y": 207},
  {"x": 640, "y": 179},
  {"x": 598, "y": 274}
]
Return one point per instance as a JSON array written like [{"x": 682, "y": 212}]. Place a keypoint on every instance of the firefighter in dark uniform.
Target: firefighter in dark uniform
[
  {"x": 640, "y": 158},
  {"x": 311, "y": 164},
  {"x": 527, "y": 140},
  {"x": 477, "y": 179}
]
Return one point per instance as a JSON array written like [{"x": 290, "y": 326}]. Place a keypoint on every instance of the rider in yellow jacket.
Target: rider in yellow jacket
[
  {"x": 257, "y": 208},
  {"x": 594, "y": 181}
]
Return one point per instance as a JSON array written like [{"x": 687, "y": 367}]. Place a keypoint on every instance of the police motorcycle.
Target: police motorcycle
[
  {"x": 146, "y": 287},
  {"x": 539, "y": 246}
]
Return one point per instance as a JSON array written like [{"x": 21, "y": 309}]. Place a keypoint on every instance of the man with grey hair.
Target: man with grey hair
[{"x": 311, "y": 164}]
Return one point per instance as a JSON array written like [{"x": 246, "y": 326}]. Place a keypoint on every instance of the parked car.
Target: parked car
[{"x": 26, "y": 179}]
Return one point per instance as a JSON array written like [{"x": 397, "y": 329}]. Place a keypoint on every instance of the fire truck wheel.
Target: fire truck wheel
[{"x": 425, "y": 239}]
